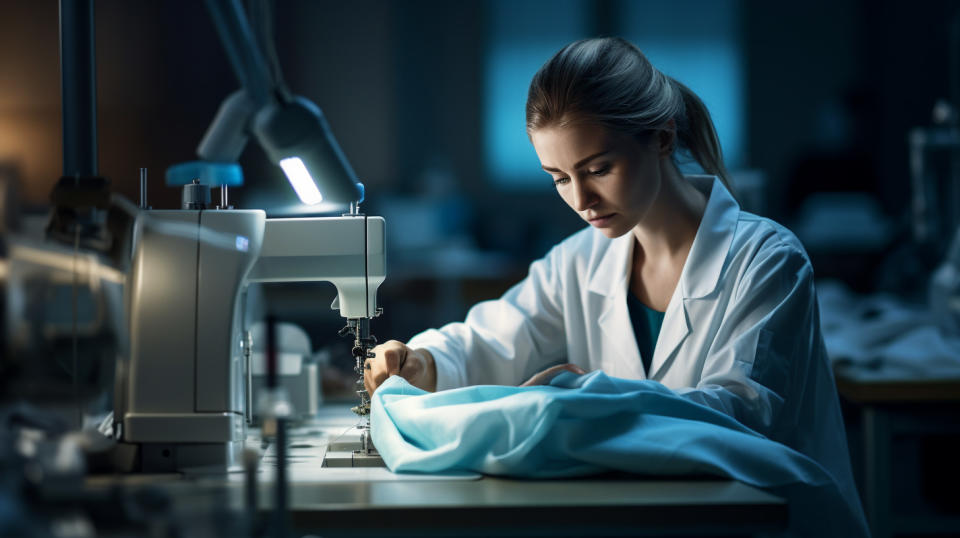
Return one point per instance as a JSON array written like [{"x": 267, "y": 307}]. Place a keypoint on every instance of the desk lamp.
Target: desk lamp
[{"x": 291, "y": 129}]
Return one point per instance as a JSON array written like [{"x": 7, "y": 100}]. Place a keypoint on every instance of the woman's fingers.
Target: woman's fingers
[
  {"x": 393, "y": 356},
  {"x": 544, "y": 377},
  {"x": 387, "y": 360},
  {"x": 368, "y": 379}
]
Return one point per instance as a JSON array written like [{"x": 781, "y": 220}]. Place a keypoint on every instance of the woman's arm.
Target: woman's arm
[
  {"x": 768, "y": 345},
  {"x": 506, "y": 340}
]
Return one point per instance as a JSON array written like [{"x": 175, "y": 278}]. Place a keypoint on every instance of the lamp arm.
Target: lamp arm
[{"x": 245, "y": 57}]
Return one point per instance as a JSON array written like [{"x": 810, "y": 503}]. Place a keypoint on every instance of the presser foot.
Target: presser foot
[
  {"x": 362, "y": 410},
  {"x": 353, "y": 449}
]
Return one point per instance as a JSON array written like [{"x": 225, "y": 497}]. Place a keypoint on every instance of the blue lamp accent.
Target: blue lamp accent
[
  {"x": 209, "y": 173},
  {"x": 362, "y": 192}
]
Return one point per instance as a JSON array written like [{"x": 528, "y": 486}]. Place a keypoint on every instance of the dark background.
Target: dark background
[{"x": 401, "y": 83}]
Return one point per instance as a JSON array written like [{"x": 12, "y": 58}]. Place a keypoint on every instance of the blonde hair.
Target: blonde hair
[{"x": 609, "y": 81}]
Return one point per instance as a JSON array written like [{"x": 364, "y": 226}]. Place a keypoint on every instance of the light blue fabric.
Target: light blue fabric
[{"x": 594, "y": 423}]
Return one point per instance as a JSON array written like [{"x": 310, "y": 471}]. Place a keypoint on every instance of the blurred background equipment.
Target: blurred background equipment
[
  {"x": 935, "y": 176},
  {"x": 298, "y": 370},
  {"x": 63, "y": 280},
  {"x": 945, "y": 290}
]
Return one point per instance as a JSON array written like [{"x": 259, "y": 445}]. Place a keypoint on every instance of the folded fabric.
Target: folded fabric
[
  {"x": 595, "y": 423},
  {"x": 883, "y": 331}
]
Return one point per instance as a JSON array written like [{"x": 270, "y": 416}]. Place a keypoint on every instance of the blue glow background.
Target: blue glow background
[
  {"x": 812, "y": 102},
  {"x": 703, "y": 52}
]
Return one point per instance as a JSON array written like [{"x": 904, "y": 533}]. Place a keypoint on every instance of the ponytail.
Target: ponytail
[{"x": 699, "y": 136}]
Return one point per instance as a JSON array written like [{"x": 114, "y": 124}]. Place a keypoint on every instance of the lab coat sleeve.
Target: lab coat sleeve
[
  {"x": 766, "y": 343},
  {"x": 503, "y": 341}
]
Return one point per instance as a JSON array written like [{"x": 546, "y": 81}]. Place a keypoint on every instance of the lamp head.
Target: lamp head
[{"x": 296, "y": 136}]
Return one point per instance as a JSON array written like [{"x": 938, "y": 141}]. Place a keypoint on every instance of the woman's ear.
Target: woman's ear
[{"x": 667, "y": 138}]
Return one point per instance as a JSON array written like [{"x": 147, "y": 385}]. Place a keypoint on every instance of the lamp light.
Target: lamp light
[{"x": 301, "y": 180}]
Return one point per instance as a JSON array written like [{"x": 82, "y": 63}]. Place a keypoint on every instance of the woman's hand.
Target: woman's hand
[
  {"x": 396, "y": 358},
  {"x": 545, "y": 376}
]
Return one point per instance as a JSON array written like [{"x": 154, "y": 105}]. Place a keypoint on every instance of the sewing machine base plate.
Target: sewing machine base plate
[
  {"x": 347, "y": 451},
  {"x": 355, "y": 458}
]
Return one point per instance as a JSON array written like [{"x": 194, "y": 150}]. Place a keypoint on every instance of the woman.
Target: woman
[{"x": 671, "y": 282}]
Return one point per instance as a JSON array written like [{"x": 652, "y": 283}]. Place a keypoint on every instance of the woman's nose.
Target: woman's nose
[{"x": 583, "y": 197}]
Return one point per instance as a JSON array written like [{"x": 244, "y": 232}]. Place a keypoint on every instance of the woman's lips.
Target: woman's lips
[{"x": 601, "y": 221}]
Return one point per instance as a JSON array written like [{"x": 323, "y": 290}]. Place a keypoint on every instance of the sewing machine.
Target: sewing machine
[
  {"x": 182, "y": 389},
  {"x": 182, "y": 396}
]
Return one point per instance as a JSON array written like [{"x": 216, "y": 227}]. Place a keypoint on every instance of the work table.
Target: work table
[{"x": 373, "y": 501}]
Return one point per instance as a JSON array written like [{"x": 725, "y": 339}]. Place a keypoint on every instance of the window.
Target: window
[
  {"x": 694, "y": 41},
  {"x": 523, "y": 36},
  {"x": 697, "y": 42}
]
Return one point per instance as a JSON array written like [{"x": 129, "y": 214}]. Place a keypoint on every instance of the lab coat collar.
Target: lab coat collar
[
  {"x": 699, "y": 278},
  {"x": 611, "y": 272},
  {"x": 701, "y": 272},
  {"x": 609, "y": 282}
]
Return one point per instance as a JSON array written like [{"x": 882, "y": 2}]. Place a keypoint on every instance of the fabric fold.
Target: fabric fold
[{"x": 581, "y": 425}]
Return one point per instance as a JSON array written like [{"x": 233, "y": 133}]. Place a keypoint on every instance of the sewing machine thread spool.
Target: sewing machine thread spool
[{"x": 195, "y": 195}]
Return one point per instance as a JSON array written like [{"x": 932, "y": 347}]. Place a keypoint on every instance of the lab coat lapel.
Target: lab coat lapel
[
  {"x": 675, "y": 328},
  {"x": 701, "y": 272},
  {"x": 608, "y": 283}
]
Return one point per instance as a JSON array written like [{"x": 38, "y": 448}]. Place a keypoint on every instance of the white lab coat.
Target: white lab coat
[{"x": 741, "y": 333}]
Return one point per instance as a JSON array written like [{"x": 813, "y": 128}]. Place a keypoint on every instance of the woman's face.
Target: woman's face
[{"x": 610, "y": 179}]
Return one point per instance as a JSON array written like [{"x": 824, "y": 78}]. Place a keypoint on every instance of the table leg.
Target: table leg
[{"x": 877, "y": 470}]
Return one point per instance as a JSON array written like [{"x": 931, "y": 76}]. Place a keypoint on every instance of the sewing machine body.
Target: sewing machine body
[{"x": 182, "y": 395}]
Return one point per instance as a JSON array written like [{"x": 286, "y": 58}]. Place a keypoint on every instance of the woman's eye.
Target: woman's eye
[
  {"x": 601, "y": 171},
  {"x": 560, "y": 180}
]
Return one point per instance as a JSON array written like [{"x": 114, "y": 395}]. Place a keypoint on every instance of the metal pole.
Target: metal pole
[
  {"x": 78, "y": 84},
  {"x": 143, "y": 188}
]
